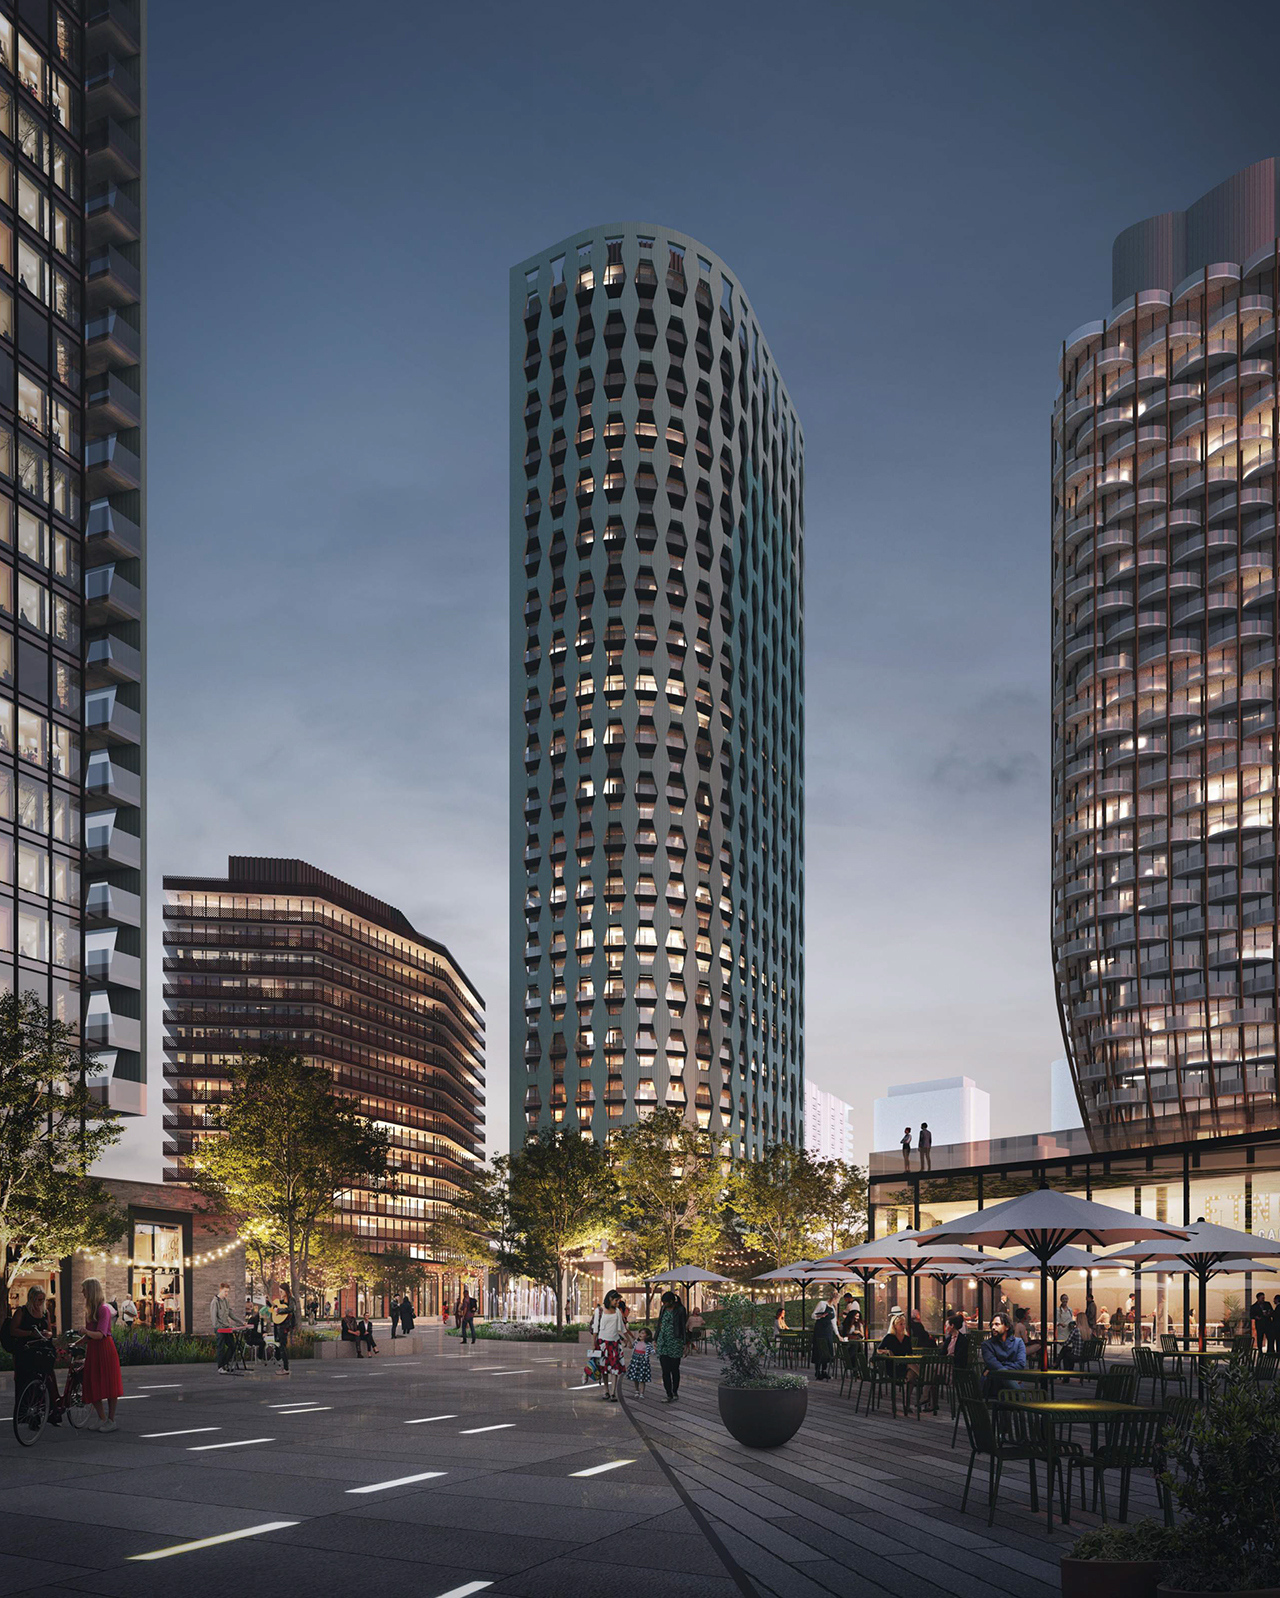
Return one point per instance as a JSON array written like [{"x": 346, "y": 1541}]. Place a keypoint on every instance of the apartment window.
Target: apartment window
[
  {"x": 33, "y": 272},
  {"x": 33, "y": 404},
  {"x": 32, "y": 206},
  {"x": 64, "y": 170},
  {"x": 30, "y": 68}
]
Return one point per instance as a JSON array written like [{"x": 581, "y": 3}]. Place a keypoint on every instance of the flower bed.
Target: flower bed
[{"x": 523, "y": 1332}]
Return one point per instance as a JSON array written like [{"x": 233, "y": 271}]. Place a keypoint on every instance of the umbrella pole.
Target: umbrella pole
[
  {"x": 1044, "y": 1314},
  {"x": 1202, "y": 1277}
]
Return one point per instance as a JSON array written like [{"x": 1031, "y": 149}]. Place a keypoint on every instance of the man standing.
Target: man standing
[
  {"x": 925, "y": 1144},
  {"x": 395, "y": 1316},
  {"x": 225, "y": 1326},
  {"x": 467, "y": 1315},
  {"x": 1260, "y": 1320},
  {"x": 906, "y": 1148}
]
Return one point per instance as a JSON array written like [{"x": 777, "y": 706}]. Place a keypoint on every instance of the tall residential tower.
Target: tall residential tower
[
  {"x": 72, "y": 414},
  {"x": 1165, "y": 625},
  {"x": 657, "y": 549}
]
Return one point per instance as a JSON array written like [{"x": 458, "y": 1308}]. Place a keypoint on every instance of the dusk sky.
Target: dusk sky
[{"x": 919, "y": 200}]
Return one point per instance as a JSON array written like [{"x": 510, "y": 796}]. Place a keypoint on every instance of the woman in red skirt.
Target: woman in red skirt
[{"x": 103, "y": 1384}]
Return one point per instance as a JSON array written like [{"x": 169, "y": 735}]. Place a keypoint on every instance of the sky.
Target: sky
[{"x": 919, "y": 200}]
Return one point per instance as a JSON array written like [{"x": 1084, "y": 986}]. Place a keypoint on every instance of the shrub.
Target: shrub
[
  {"x": 744, "y": 1339},
  {"x": 1227, "y": 1484},
  {"x": 523, "y": 1332},
  {"x": 1145, "y": 1540}
]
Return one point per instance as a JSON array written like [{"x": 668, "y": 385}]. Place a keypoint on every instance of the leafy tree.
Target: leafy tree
[
  {"x": 477, "y": 1219},
  {"x": 52, "y": 1129},
  {"x": 558, "y": 1200},
  {"x": 400, "y": 1271},
  {"x": 264, "y": 1249},
  {"x": 839, "y": 1218},
  {"x": 337, "y": 1257},
  {"x": 671, "y": 1181},
  {"x": 288, "y": 1143},
  {"x": 773, "y": 1201}
]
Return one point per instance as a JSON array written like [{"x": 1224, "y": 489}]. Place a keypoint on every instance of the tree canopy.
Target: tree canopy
[
  {"x": 839, "y": 1217},
  {"x": 773, "y": 1201},
  {"x": 287, "y": 1145},
  {"x": 671, "y": 1181},
  {"x": 52, "y": 1129},
  {"x": 559, "y": 1197}
]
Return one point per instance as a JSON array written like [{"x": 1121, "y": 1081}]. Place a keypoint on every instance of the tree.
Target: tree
[
  {"x": 52, "y": 1129},
  {"x": 399, "y": 1271},
  {"x": 671, "y": 1182},
  {"x": 476, "y": 1222},
  {"x": 773, "y": 1201},
  {"x": 287, "y": 1144},
  {"x": 337, "y": 1257},
  {"x": 263, "y": 1248},
  {"x": 558, "y": 1200},
  {"x": 839, "y": 1218}
]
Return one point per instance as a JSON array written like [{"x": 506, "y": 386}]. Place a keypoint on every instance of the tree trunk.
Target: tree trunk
[{"x": 559, "y": 1298}]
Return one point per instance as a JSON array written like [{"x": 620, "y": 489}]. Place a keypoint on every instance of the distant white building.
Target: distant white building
[
  {"x": 1064, "y": 1109},
  {"x": 827, "y": 1132},
  {"x": 955, "y": 1108}
]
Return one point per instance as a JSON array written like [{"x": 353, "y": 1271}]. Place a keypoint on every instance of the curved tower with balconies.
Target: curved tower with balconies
[
  {"x": 657, "y": 868},
  {"x": 1164, "y": 672}
]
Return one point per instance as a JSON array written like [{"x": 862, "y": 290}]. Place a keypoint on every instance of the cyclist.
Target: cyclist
[{"x": 33, "y": 1350}]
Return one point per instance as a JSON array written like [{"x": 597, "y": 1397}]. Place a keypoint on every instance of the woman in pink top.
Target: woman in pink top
[{"x": 102, "y": 1380}]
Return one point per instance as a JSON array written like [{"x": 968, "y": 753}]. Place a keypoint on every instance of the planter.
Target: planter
[
  {"x": 1111, "y": 1578},
  {"x": 1182, "y": 1592},
  {"x": 763, "y": 1417}
]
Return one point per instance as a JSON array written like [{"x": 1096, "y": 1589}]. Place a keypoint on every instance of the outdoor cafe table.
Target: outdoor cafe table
[
  {"x": 1068, "y": 1412},
  {"x": 906, "y": 1359},
  {"x": 1203, "y": 1357}
]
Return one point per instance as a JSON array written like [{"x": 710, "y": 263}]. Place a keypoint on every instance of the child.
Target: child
[{"x": 638, "y": 1367}]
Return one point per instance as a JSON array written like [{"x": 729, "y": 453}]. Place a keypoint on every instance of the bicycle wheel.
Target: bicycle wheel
[
  {"x": 74, "y": 1406},
  {"x": 30, "y": 1412}
]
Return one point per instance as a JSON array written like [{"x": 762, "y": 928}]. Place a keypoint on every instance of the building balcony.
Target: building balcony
[
  {"x": 112, "y": 88},
  {"x": 108, "y": 531},
  {"x": 110, "y": 405},
  {"x": 111, "y": 154},
  {"x": 108, "y": 845},
  {"x": 106, "y": 904},
  {"x": 112, "y": 467},
  {"x": 111, "y": 217},
  {"x": 120, "y": 1093},
  {"x": 113, "y": 27},
  {"x": 110, "y": 597},
  {"x": 108, "y": 779},
  {"x": 110, "y": 341},
  {"x": 112, "y": 280},
  {"x": 109, "y": 965},
  {"x": 111, "y": 660},
  {"x": 104, "y": 1029},
  {"x": 106, "y": 720}
]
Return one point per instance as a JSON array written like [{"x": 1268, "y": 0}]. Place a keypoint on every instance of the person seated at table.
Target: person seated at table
[
  {"x": 851, "y": 1318},
  {"x": 780, "y": 1319},
  {"x": 955, "y": 1340},
  {"x": 1069, "y": 1349},
  {"x": 897, "y": 1341},
  {"x": 1003, "y": 1356},
  {"x": 921, "y": 1336},
  {"x": 351, "y": 1334}
]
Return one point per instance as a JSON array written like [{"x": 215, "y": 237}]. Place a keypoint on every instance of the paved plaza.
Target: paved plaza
[{"x": 495, "y": 1470}]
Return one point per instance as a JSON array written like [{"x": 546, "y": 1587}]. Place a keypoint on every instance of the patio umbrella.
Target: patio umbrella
[
  {"x": 686, "y": 1276},
  {"x": 1066, "y": 1259},
  {"x": 804, "y": 1271},
  {"x": 1202, "y": 1252},
  {"x": 902, "y": 1253},
  {"x": 1045, "y": 1221}
]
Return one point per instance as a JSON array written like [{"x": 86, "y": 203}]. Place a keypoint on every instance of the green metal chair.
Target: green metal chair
[
  {"x": 1266, "y": 1367},
  {"x": 865, "y": 1371},
  {"x": 844, "y": 1359},
  {"x": 1128, "y": 1443},
  {"x": 986, "y": 1442},
  {"x": 1118, "y": 1385},
  {"x": 1092, "y": 1354},
  {"x": 934, "y": 1370},
  {"x": 966, "y": 1383},
  {"x": 1149, "y": 1367}
]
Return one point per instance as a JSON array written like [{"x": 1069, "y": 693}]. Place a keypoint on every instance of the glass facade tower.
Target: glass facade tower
[
  {"x": 278, "y": 952},
  {"x": 71, "y": 520},
  {"x": 1165, "y": 629},
  {"x": 657, "y": 547}
]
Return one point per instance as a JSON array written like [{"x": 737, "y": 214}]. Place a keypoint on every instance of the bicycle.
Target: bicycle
[{"x": 32, "y": 1406}]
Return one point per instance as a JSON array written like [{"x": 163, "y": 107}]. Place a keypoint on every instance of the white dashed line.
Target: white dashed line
[
  {"x": 226, "y": 1537},
  {"x": 473, "y": 1431},
  {"x": 152, "y": 1386},
  {"x": 244, "y": 1442},
  {"x": 189, "y": 1431},
  {"x": 425, "y": 1420},
  {"x": 467, "y": 1590},
  {"x": 398, "y": 1481},
  {"x": 599, "y": 1470}
]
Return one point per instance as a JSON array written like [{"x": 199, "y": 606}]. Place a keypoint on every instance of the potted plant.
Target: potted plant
[
  {"x": 760, "y": 1408},
  {"x": 1118, "y": 1561},
  {"x": 1227, "y": 1483}
]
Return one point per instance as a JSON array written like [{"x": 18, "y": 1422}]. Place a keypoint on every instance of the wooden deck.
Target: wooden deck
[{"x": 860, "y": 1505}]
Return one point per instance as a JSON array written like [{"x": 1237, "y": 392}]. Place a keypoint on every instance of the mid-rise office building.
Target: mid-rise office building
[
  {"x": 955, "y": 1109},
  {"x": 278, "y": 952},
  {"x": 828, "y": 1134},
  {"x": 657, "y": 871},
  {"x": 72, "y": 415},
  {"x": 1165, "y": 630}
]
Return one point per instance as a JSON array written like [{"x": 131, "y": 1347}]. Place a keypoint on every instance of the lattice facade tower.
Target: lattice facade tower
[
  {"x": 657, "y": 549},
  {"x": 1164, "y": 672}
]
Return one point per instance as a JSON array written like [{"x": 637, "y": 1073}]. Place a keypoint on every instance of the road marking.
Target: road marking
[
  {"x": 466, "y": 1590},
  {"x": 425, "y": 1420},
  {"x": 224, "y": 1537},
  {"x": 486, "y": 1370},
  {"x": 151, "y": 1386},
  {"x": 345, "y": 1378},
  {"x": 522, "y": 1370},
  {"x": 190, "y": 1431},
  {"x": 125, "y": 1396},
  {"x": 583, "y": 1386},
  {"x": 311, "y": 1409},
  {"x": 297, "y": 1403},
  {"x": 244, "y": 1442},
  {"x": 599, "y": 1470},
  {"x": 472, "y": 1431},
  {"x": 398, "y": 1481}
]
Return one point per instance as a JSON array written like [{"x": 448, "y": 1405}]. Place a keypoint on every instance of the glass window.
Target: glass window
[
  {"x": 33, "y": 804},
  {"x": 33, "y": 933},
  {"x": 66, "y": 687},
  {"x": 6, "y": 44},
  {"x": 6, "y": 102},
  {"x": 66, "y": 491},
  {"x": 6, "y": 315},
  {"x": 66, "y": 299},
  {"x": 66, "y": 361},
  {"x": 64, "y": 427},
  {"x": 6, "y": 180},
  {"x": 66, "y": 41},
  {"x": 33, "y": 274},
  {"x": 66, "y": 817},
  {"x": 6, "y": 658},
  {"x": 64, "y": 752},
  {"x": 32, "y": 207},
  {"x": 66, "y": 943},
  {"x": 30, "y": 68},
  {"x": 31, "y": 139},
  {"x": 66, "y": 235},
  {"x": 33, "y": 403},
  {"x": 64, "y": 169},
  {"x": 33, "y": 604},
  {"x": 33, "y": 538},
  {"x": 6, "y": 248},
  {"x": 156, "y": 1279},
  {"x": 63, "y": 101},
  {"x": 33, "y": 738},
  {"x": 33, "y": 471},
  {"x": 66, "y": 622},
  {"x": 6, "y": 452},
  {"x": 6, "y": 726},
  {"x": 66, "y": 879},
  {"x": 6, "y": 858},
  {"x": 33, "y": 869},
  {"x": 66, "y": 559}
]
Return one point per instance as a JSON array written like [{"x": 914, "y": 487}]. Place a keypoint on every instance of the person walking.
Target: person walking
[
  {"x": 613, "y": 1328},
  {"x": 824, "y": 1337},
  {"x": 101, "y": 1385},
  {"x": 467, "y": 1307},
  {"x": 128, "y": 1312},
  {"x": 906, "y": 1148},
  {"x": 670, "y": 1343},
  {"x": 924, "y": 1142},
  {"x": 283, "y": 1320},
  {"x": 225, "y": 1326}
]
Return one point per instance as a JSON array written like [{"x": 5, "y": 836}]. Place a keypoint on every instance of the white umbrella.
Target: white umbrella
[
  {"x": 1045, "y": 1221},
  {"x": 908, "y": 1253},
  {"x": 1202, "y": 1251},
  {"x": 1226, "y": 1268},
  {"x": 684, "y": 1274}
]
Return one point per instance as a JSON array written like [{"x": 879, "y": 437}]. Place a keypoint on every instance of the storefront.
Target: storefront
[
  {"x": 157, "y": 1271},
  {"x": 1230, "y": 1180}
]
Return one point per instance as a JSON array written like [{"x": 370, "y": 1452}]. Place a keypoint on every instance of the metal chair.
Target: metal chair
[
  {"x": 1118, "y": 1386},
  {"x": 987, "y": 1442},
  {"x": 1129, "y": 1443},
  {"x": 1091, "y": 1353},
  {"x": 966, "y": 1383},
  {"x": 844, "y": 1359},
  {"x": 1148, "y": 1368}
]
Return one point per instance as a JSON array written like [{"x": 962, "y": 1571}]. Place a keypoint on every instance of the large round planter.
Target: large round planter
[
  {"x": 1110, "y": 1578},
  {"x": 763, "y": 1417},
  {"x": 1182, "y": 1592}
]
